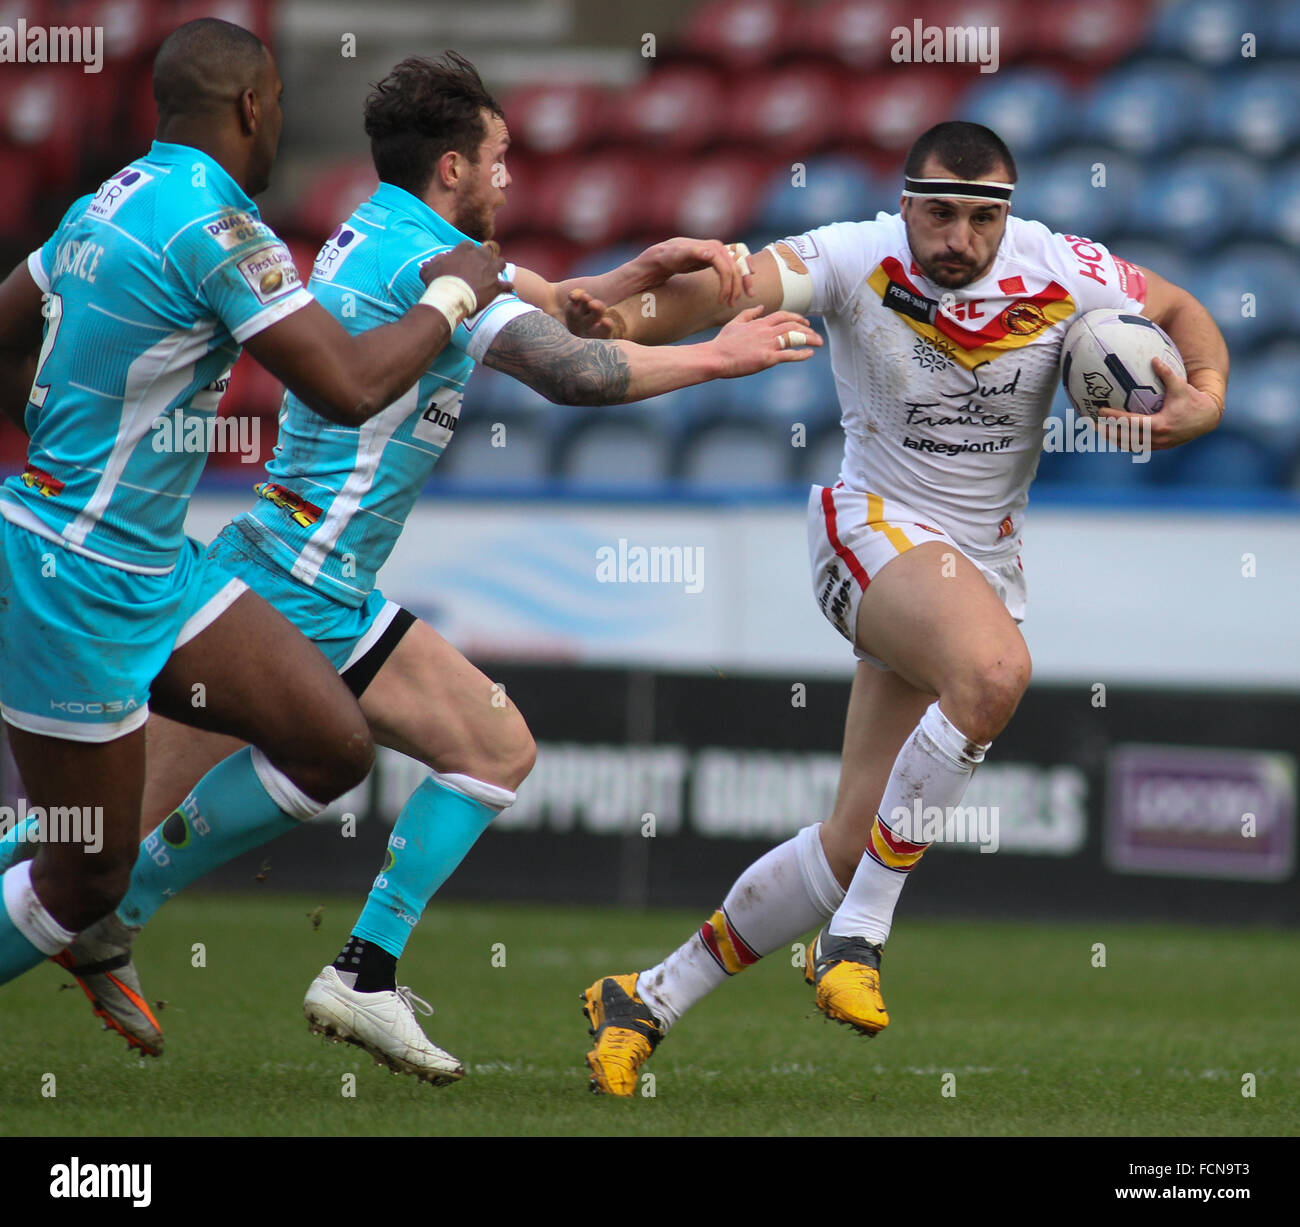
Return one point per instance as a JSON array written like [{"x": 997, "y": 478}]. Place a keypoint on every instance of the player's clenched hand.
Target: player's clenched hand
[
  {"x": 753, "y": 342},
  {"x": 585, "y": 316},
  {"x": 1186, "y": 414},
  {"x": 479, "y": 267},
  {"x": 673, "y": 256}
]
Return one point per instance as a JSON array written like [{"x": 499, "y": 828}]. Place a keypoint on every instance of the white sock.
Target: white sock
[
  {"x": 932, "y": 769},
  {"x": 28, "y": 913},
  {"x": 782, "y": 895}
]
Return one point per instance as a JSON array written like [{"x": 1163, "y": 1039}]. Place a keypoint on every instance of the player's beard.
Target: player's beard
[
  {"x": 952, "y": 277},
  {"x": 476, "y": 218}
]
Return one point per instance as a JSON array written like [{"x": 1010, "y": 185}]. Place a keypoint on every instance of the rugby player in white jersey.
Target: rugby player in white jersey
[{"x": 945, "y": 324}]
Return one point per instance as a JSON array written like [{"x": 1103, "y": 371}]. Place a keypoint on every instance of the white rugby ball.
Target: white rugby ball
[{"x": 1106, "y": 362}]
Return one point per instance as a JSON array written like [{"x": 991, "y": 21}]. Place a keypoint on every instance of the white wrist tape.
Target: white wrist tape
[
  {"x": 452, "y": 296},
  {"x": 796, "y": 287}
]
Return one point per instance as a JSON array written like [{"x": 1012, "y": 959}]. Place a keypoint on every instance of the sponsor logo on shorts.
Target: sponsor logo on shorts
[
  {"x": 269, "y": 272},
  {"x": 75, "y": 707},
  {"x": 42, "y": 482},
  {"x": 115, "y": 192},
  {"x": 300, "y": 510},
  {"x": 234, "y": 227},
  {"x": 1006, "y": 528},
  {"x": 834, "y": 598}
]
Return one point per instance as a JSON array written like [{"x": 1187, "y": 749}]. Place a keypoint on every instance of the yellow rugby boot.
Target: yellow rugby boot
[
  {"x": 846, "y": 973},
  {"x": 626, "y": 1034}
]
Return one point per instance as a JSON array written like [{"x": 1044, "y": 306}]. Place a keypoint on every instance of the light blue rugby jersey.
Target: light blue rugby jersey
[
  {"x": 153, "y": 285},
  {"x": 338, "y": 496}
]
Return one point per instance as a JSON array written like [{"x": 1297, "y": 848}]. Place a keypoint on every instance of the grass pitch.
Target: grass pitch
[{"x": 998, "y": 1029}]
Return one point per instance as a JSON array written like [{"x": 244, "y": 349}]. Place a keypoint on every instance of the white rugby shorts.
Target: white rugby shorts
[{"x": 853, "y": 534}]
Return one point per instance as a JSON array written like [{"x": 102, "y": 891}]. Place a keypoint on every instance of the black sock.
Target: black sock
[{"x": 374, "y": 967}]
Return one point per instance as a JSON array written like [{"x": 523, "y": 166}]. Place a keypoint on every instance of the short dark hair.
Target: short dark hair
[
  {"x": 421, "y": 110},
  {"x": 970, "y": 151},
  {"x": 204, "y": 65}
]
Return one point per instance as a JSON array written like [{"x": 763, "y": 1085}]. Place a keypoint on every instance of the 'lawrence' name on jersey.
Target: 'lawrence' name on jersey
[{"x": 153, "y": 284}]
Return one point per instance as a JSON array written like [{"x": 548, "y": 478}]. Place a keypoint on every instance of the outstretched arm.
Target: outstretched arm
[
  {"x": 688, "y": 303},
  {"x": 569, "y": 370},
  {"x": 347, "y": 378},
  {"x": 651, "y": 268}
]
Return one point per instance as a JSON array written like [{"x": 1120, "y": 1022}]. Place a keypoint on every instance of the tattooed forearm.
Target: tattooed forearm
[{"x": 568, "y": 370}]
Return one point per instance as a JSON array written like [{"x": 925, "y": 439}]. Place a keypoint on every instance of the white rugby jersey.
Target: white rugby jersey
[{"x": 943, "y": 393}]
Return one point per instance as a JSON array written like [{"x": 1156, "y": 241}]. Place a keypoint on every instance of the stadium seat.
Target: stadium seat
[
  {"x": 678, "y": 108},
  {"x": 1262, "y": 399},
  {"x": 711, "y": 197},
  {"x": 594, "y": 200},
  {"x": 818, "y": 462},
  {"x": 855, "y": 32},
  {"x": 19, "y": 174},
  {"x": 1148, "y": 108},
  {"x": 1228, "y": 459},
  {"x": 563, "y": 117},
  {"x": 615, "y": 449},
  {"x": 39, "y": 113},
  {"x": 1062, "y": 191},
  {"x": 1257, "y": 110},
  {"x": 497, "y": 449},
  {"x": 830, "y": 189},
  {"x": 254, "y": 15},
  {"x": 1282, "y": 26},
  {"x": 128, "y": 25},
  {"x": 1275, "y": 213},
  {"x": 1009, "y": 17},
  {"x": 1027, "y": 107},
  {"x": 890, "y": 109},
  {"x": 787, "y": 393},
  {"x": 332, "y": 195},
  {"x": 1172, "y": 264},
  {"x": 1205, "y": 31},
  {"x": 746, "y": 455},
  {"x": 549, "y": 258},
  {"x": 789, "y": 111},
  {"x": 1250, "y": 292},
  {"x": 1093, "y": 32},
  {"x": 741, "y": 34},
  {"x": 601, "y": 259},
  {"x": 1197, "y": 201}
]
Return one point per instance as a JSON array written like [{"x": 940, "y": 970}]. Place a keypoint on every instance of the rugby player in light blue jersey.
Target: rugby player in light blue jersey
[
  {"x": 147, "y": 292},
  {"x": 329, "y": 515}
]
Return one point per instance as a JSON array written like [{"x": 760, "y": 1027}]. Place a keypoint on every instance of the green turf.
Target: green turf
[{"x": 1037, "y": 1039}]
